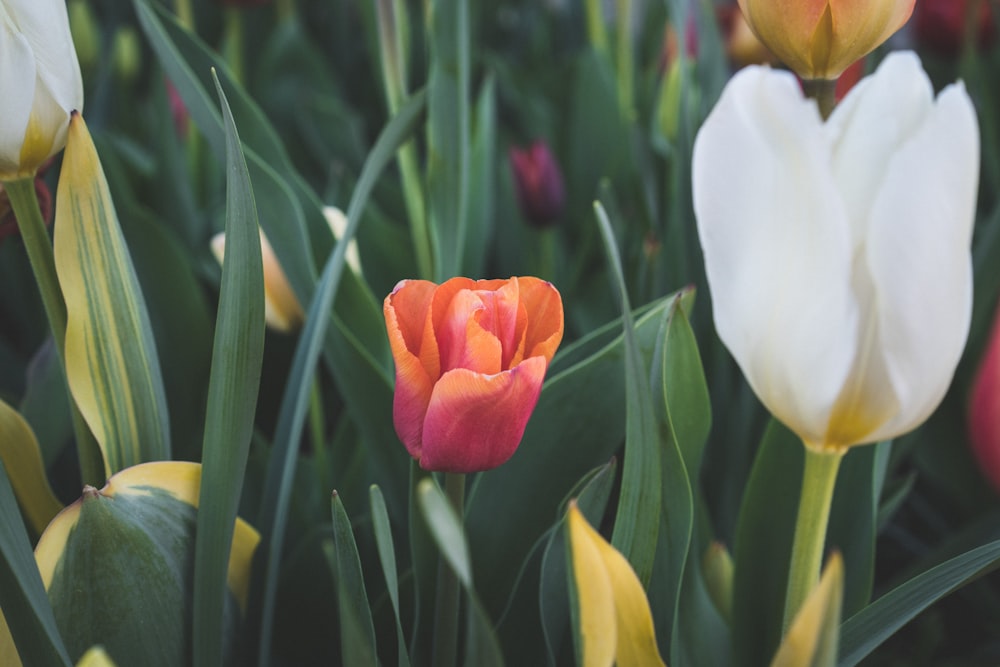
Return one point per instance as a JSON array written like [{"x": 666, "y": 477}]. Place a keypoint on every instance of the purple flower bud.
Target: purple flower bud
[{"x": 539, "y": 181}]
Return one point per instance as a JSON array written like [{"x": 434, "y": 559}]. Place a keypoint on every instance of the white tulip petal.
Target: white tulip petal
[
  {"x": 17, "y": 88},
  {"x": 869, "y": 126},
  {"x": 45, "y": 24},
  {"x": 777, "y": 246},
  {"x": 919, "y": 257}
]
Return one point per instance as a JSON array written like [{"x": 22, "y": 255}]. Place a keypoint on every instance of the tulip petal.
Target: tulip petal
[
  {"x": 476, "y": 421},
  {"x": 868, "y": 127},
  {"x": 17, "y": 89},
  {"x": 777, "y": 246},
  {"x": 924, "y": 286},
  {"x": 410, "y": 302},
  {"x": 402, "y": 310},
  {"x": 545, "y": 326}
]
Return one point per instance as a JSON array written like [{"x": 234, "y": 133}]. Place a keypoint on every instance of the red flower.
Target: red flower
[
  {"x": 984, "y": 409},
  {"x": 470, "y": 359},
  {"x": 539, "y": 183},
  {"x": 941, "y": 24}
]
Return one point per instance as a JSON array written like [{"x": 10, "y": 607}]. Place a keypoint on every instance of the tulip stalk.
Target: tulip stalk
[
  {"x": 818, "y": 480},
  {"x": 36, "y": 242},
  {"x": 448, "y": 589},
  {"x": 824, "y": 92}
]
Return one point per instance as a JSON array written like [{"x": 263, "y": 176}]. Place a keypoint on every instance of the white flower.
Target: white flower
[
  {"x": 838, "y": 254},
  {"x": 40, "y": 83}
]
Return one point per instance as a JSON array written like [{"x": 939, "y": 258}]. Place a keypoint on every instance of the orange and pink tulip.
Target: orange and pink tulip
[{"x": 470, "y": 360}]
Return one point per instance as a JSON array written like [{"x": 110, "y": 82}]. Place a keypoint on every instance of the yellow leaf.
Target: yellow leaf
[
  {"x": 615, "y": 623},
  {"x": 111, "y": 362},
  {"x": 23, "y": 461},
  {"x": 813, "y": 636}
]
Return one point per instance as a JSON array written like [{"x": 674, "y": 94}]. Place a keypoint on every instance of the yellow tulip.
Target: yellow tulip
[{"x": 819, "y": 39}]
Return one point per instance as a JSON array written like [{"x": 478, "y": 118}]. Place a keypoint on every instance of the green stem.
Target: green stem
[
  {"x": 233, "y": 41},
  {"x": 626, "y": 64},
  {"x": 414, "y": 199},
  {"x": 818, "y": 481},
  {"x": 824, "y": 91},
  {"x": 446, "y": 605},
  {"x": 36, "y": 241}
]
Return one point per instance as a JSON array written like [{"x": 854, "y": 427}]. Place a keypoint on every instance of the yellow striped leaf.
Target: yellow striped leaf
[{"x": 111, "y": 362}]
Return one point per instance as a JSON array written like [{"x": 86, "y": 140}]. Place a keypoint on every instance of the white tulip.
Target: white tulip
[
  {"x": 40, "y": 83},
  {"x": 838, "y": 253}
]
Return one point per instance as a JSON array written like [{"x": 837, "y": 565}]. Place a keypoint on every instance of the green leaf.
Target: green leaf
[
  {"x": 865, "y": 631},
  {"x": 291, "y": 420},
  {"x": 357, "y": 634},
  {"x": 446, "y": 528},
  {"x": 232, "y": 399},
  {"x": 448, "y": 133},
  {"x": 482, "y": 647},
  {"x": 26, "y": 607},
  {"x": 637, "y": 523},
  {"x": 482, "y": 177},
  {"x": 387, "y": 558},
  {"x": 111, "y": 361},
  {"x": 764, "y": 546},
  {"x": 679, "y": 385}
]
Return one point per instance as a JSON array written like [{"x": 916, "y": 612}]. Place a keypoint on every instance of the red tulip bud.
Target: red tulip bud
[
  {"x": 943, "y": 25},
  {"x": 984, "y": 409},
  {"x": 539, "y": 183}
]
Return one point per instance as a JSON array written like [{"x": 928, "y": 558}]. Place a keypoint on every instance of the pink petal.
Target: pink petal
[{"x": 475, "y": 421}]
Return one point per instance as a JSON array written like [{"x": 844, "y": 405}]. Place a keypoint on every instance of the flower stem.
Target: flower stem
[
  {"x": 818, "y": 481},
  {"x": 824, "y": 91},
  {"x": 446, "y": 605},
  {"x": 36, "y": 241}
]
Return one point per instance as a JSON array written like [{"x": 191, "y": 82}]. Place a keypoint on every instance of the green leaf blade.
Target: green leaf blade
[{"x": 232, "y": 399}]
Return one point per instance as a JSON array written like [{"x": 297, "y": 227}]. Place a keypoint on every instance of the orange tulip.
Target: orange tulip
[
  {"x": 819, "y": 39},
  {"x": 470, "y": 359}
]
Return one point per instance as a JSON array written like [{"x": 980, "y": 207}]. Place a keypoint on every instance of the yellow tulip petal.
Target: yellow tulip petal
[
  {"x": 23, "y": 461},
  {"x": 616, "y": 625},
  {"x": 814, "y": 634}
]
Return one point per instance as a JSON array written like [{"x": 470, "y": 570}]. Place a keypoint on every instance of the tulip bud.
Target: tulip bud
[
  {"x": 742, "y": 45},
  {"x": 818, "y": 39},
  {"x": 39, "y": 84},
  {"x": 984, "y": 409},
  {"x": 126, "y": 55},
  {"x": 539, "y": 183},
  {"x": 944, "y": 25},
  {"x": 282, "y": 310},
  {"x": 470, "y": 359}
]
